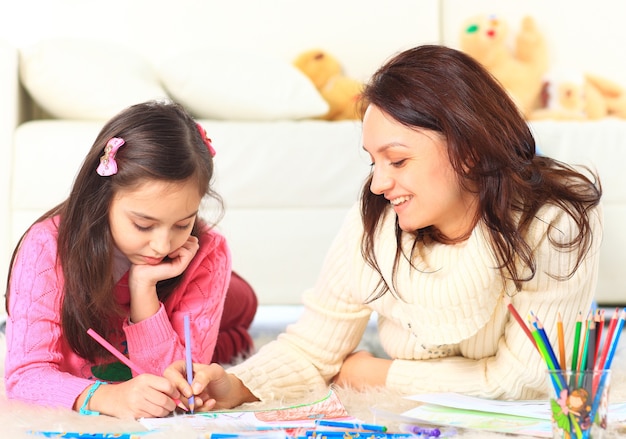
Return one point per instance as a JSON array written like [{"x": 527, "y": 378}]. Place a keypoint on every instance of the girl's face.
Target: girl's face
[
  {"x": 412, "y": 170},
  {"x": 152, "y": 220}
]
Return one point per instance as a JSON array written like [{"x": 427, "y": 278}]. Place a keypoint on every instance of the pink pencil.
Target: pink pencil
[
  {"x": 124, "y": 359},
  {"x": 109, "y": 347}
]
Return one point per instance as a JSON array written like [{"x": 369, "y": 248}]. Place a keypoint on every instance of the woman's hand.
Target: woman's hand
[
  {"x": 212, "y": 387},
  {"x": 361, "y": 370},
  {"x": 144, "y": 396}
]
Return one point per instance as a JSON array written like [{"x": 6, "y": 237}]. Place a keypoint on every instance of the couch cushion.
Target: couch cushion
[
  {"x": 84, "y": 79},
  {"x": 240, "y": 85}
]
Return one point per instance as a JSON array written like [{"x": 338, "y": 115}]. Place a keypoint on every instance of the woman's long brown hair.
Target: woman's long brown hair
[
  {"x": 162, "y": 142},
  {"x": 492, "y": 151}
]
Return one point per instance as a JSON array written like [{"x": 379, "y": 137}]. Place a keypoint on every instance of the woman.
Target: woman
[{"x": 459, "y": 218}]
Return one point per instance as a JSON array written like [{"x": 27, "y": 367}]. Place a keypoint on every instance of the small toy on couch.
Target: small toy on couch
[
  {"x": 520, "y": 71},
  {"x": 341, "y": 92},
  {"x": 579, "y": 96}
]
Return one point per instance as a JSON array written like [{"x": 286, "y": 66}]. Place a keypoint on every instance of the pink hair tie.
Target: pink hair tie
[
  {"x": 108, "y": 165},
  {"x": 206, "y": 139}
]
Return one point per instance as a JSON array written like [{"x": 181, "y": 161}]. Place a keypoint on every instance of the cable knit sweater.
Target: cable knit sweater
[
  {"x": 450, "y": 330},
  {"x": 41, "y": 368}
]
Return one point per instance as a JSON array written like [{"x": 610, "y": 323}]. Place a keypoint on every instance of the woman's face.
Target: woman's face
[
  {"x": 411, "y": 169},
  {"x": 152, "y": 220}
]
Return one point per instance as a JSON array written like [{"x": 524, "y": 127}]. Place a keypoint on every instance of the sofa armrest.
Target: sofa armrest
[{"x": 10, "y": 111}]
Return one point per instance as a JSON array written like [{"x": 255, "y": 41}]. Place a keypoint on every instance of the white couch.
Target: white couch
[{"x": 286, "y": 182}]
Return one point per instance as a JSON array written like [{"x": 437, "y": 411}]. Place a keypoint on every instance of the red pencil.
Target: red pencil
[
  {"x": 607, "y": 341},
  {"x": 523, "y": 324}
]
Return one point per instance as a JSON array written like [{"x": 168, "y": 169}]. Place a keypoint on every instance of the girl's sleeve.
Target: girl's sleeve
[
  {"x": 35, "y": 367},
  {"x": 159, "y": 340},
  {"x": 516, "y": 370}
]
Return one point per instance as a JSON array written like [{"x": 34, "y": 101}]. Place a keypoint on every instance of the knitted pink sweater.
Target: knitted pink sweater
[{"x": 41, "y": 368}]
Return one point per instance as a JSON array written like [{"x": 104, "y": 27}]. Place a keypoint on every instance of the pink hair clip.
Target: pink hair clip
[
  {"x": 108, "y": 165},
  {"x": 206, "y": 139}
]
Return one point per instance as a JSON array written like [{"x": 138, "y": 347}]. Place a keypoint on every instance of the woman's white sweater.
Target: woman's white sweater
[{"x": 446, "y": 327}]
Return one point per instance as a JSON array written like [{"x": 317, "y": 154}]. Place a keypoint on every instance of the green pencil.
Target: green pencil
[{"x": 579, "y": 323}]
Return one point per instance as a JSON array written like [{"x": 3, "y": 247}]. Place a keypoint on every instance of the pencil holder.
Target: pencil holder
[{"x": 579, "y": 401}]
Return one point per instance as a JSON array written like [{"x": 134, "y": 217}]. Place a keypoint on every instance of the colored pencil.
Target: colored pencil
[
  {"x": 546, "y": 341},
  {"x": 607, "y": 340},
  {"x": 599, "y": 330},
  {"x": 591, "y": 345},
  {"x": 559, "y": 326},
  {"x": 109, "y": 347},
  {"x": 188, "y": 358},
  {"x": 521, "y": 322},
  {"x": 350, "y": 425},
  {"x": 123, "y": 358},
  {"x": 598, "y": 384},
  {"x": 541, "y": 347},
  {"x": 577, "y": 329},
  {"x": 616, "y": 336},
  {"x": 582, "y": 358}
]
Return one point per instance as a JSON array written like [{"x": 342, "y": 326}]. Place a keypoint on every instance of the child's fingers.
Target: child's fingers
[{"x": 176, "y": 373}]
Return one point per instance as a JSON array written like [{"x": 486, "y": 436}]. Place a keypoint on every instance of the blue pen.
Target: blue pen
[
  {"x": 350, "y": 425},
  {"x": 79, "y": 435},
  {"x": 188, "y": 358},
  {"x": 354, "y": 434}
]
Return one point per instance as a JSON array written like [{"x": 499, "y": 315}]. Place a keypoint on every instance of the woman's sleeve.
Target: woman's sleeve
[
  {"x": 159, "y": 340},
  {"x": 310, "y": 352},
  {"x": 35, "y": 355},
  {"x": 516, "y": 370}
]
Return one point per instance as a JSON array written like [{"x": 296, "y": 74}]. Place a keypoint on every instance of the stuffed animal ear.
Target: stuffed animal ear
[{"x": 318, "y": 65}]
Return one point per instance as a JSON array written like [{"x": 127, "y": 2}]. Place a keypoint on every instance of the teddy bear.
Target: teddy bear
[
  {"x": 520, "y": 71},
  {"x": 577, "y": 96},
  {"x": 340, "y": 92}
]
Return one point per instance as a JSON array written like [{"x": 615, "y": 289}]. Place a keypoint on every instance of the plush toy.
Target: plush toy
[
  {"x": 340, "y": 92},
  {"x": 570, "y": 96},
  {"x": 520, "y": 71},
  {"x": 613, "y": 94}
]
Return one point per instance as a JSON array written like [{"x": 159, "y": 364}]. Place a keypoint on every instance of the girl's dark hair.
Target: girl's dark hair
[
  {"x": 162, "y": 142},
  {"x": 491, "y": 149}
]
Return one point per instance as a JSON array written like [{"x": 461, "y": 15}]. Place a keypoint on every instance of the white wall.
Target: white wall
[{"x": 346, "y": 28}]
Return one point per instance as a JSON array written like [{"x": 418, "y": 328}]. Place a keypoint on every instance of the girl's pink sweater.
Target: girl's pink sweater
[{"x": 42, "y": 369}]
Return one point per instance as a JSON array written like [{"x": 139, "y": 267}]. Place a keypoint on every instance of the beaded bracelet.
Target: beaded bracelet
[{"x": 84, "y": 410}]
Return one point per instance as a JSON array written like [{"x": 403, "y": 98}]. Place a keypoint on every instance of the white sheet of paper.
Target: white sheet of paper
[{"x": 538, "y": 409}]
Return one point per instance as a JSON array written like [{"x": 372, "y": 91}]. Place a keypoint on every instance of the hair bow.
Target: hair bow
[
  {"x": 206, "y": 139},
  {"x": 108, "y": 165}
]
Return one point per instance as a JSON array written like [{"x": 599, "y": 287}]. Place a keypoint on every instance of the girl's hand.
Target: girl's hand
[
  {"x": 177, "y": 261},
  {"x": 212, "y": 387},
  {"x": 142, "y": 279},
  {"x": 144, "y": 396}
]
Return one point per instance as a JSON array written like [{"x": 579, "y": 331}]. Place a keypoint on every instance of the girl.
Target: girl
[
  {"x": 459, "y": 216},
  {"x": 127, "y": 255}
]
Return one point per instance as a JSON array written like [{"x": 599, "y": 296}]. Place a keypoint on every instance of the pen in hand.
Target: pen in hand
[{"x": 189, "y": 360}]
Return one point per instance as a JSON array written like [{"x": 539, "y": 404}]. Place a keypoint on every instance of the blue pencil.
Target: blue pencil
[
  {"x": 79, "y": 435},
  {"x": 188, "y": 358},
  {"x": 607, "y": 365},
  {"x": 350, "y": 425},
  {"x": 355, "y": 434}
]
